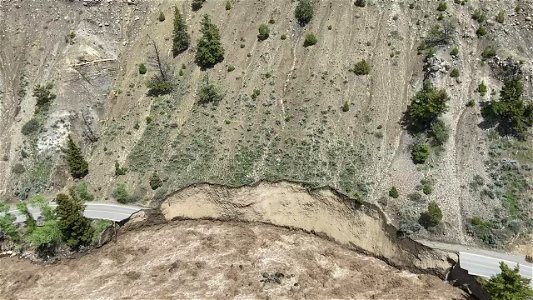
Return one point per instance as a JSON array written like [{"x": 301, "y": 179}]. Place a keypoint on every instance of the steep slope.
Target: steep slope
[
  {"x": 194, "y": 259},
  {"x": 281, "y": 117}
]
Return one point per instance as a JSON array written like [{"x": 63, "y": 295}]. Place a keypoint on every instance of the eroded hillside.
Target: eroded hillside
[
  {"x": 282, "y": 116},
  {"x": 229, "y": 260}
]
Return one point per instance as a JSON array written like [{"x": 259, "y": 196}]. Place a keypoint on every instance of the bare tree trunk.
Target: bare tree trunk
[{"x": 158, "y": 60}]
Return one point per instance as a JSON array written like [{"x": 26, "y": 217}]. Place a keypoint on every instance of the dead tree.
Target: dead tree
[{"x": 161, "y": 66}]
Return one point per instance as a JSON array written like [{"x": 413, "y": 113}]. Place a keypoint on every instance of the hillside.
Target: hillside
[
  {"x": 289, "y": 112},
  {"x": 229, "y": 260}
]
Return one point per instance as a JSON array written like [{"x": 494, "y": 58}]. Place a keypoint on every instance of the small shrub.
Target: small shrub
[
  {"x": 470, "y": 103},
  {"x": 43, "y": 95},
  {"x": 18, "y": 169},
  {"x": 427, "y": 188},
  {"x": 432, "y": 217},
  {"x": 443, "y": 6},
  {"x": 161, "y": 16},
  {"x": 142, "y": 69},
  {"x": 455, "y": 51},
  {"x": 500, "y": 18},
  {"x": 158, "y": 87},
  {"x": 489, "y": 52},
  {"x": 345, "y": 107},
  {"x": 360, "y": 3},
  {"x": 310, "y": 40},
  {"x": 209, "y": 92},
  {"x": 118, "y": 170},
  {"x": 83, "y": 192},
  {"x": 197, "y": 4},
  {"x": 482, "y": 89},
  {"x": 426, "y": 106},
  {"x": 255, "y": 94},
  {"x": 479, "y": 16},
  {"x": 439, "y": 132},
  {"x": 155, "y": 181},
  {"x": 264, "y": 32},
  {"x": 271, "y": 21},
  {"x": 481, "y": 31},
  {"x": 361, "y": 68},
  {"x": 420, "y": 153},
  {"x": 121, "y": 194},
  {"x": 415, "y": 197},
  {"x": 513, "y": 114},
  {"x": 393, "y": 192},
  {"x": 454, "y": 73},
  {"x": 231, "y": 68},
  {"x": 283, "y": 37},
  {"x": 228, "y": 5},
  {"x": 304, "y": 12},
  {"x": 31, "y": 127}
]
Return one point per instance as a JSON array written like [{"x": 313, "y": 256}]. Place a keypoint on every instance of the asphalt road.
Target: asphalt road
[
  {"x": 93, "y": 210},
  {"x": 482, "y": 262},
  {"x": 486, "y": 266}
]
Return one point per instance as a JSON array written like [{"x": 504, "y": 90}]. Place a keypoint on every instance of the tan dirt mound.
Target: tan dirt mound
[{"x": 204, "y": 259}]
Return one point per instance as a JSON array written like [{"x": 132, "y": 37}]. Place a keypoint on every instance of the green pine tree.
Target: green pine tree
[
  {"x": 76, "y": 228},
  {"x": 79, "y": 168},
  {"x": 508, "y": 285},
  {"x": 209, "y": 50},
  {"x": 181, "y": 40}
]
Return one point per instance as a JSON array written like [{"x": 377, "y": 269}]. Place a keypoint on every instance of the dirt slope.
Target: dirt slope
[
  {"x": 320, "y": 211},
  {"x": 191, "y": 259}
]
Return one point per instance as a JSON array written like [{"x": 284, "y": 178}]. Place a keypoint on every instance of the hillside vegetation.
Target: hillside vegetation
[{"x": 380, "y": 100}]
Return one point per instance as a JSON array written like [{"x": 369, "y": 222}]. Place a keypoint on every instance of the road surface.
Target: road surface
[
  {"x": 482, "y": 262},
  {"x": 93, "y": 210}
]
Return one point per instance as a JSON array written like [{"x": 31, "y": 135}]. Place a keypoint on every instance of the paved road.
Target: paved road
[
  {"x": 93, "y": 210},
  {"x": 482, "y": 262}
]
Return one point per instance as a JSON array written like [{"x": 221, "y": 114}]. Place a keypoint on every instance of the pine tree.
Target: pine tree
[
  {"x": 508, "y": 285},
  {"x": 181, "y": 39},
  {"x": 209, "y": 50},
  {"x": 76, "y": 228},
  {"x": 79, "y": 168}
]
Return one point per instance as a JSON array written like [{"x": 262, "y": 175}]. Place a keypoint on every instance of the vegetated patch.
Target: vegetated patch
[
  {"x": 304, "y": 11},
  {"x": 438, "y": 35},
  {"x": 264, "y": 32},
  {"x": 432, "y": 217},
  {"x": 197, "y": 4},
  {"x": 362, "y": 67},
  {"x": 209, "y": 50},
  {"x": 142, "y": 69},
  {"x": 310, "y": 40},
  {"x": 426, "y": 106},
  {"x": 420, "y": 153},
  {"x": 181, "y": 39},
  {"x": 393, "y": 192},
  {"x": 209, "y": 91},
  {"x": 512, "y": 113},
  {"x": 488, "y": 52},
  {"x": 79, "y": 168},
  {"x": 31, "y": 127}
]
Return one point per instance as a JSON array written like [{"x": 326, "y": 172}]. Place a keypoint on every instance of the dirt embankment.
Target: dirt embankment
[
  {"x": 318, "y": 211},
  {"x": 205, "y": 259}
]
